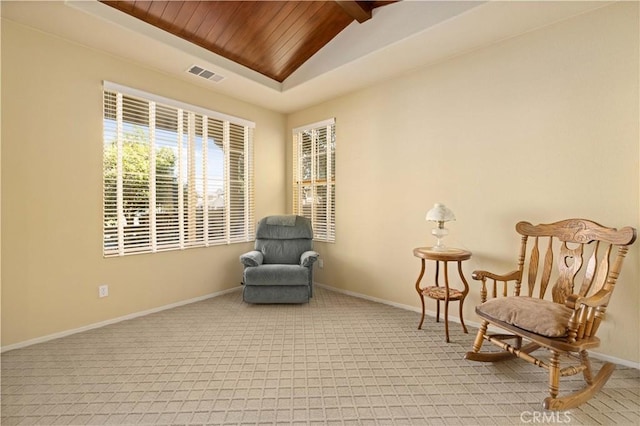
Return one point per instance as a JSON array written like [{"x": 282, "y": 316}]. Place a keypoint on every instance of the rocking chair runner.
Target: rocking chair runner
[{"x": 567, "y": 325}]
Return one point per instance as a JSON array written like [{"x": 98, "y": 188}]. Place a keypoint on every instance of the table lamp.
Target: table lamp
[{"x": 440, "y": 214}]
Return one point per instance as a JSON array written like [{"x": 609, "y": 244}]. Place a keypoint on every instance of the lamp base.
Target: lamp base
[
  {"x": 439, "y": 247},
  {"x": 440, "y": 232}
]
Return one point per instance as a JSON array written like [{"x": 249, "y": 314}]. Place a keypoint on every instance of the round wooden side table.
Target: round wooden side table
[{"x": 444, "y": 293}]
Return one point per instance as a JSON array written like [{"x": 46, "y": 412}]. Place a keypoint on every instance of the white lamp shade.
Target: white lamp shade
[{"x": 440, "y": 213}]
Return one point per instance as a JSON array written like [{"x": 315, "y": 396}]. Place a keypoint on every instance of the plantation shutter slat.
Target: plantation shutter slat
[
  {"x": 167, "y": 142},
  {"x": 181, "y": 179},
  {"x": 314, "y": 177},
  {"x": 175, "y": 176}
]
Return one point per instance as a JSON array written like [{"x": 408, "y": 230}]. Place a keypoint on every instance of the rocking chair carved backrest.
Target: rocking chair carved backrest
[
  {"x": 571, "y": 243},
  {"x": 578, "y": 243}
]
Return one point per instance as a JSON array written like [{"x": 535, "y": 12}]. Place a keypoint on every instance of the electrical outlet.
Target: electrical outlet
[
  {"x": 320, "y": 263},
  {"x": 103, "y": 291}
]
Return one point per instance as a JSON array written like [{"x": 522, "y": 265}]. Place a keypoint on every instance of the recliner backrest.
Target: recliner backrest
[{"x": 282, "y": 239}]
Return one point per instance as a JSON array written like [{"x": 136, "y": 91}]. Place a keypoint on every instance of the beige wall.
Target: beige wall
[
  {"x": 52, "y": 260},
  {"x": 540, "y": 127}
]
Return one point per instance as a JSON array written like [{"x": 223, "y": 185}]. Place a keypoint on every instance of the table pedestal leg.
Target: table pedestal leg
[
  {"x": 461, "y": 301},
  {"x": 419, "y": 290},
  {"x": 437, "y": 283},
  {"x": 446, "y": 301}
]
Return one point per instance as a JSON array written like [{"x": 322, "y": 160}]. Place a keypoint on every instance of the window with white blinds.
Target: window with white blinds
[
  {"x": 175, "y": 176},
  {"x": 314, "y": 184}
]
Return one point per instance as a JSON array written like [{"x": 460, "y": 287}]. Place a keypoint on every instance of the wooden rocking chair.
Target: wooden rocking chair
[{"x": 567, "y": 325}]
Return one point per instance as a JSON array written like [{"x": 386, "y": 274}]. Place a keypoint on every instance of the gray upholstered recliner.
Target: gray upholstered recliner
[{"x": 280, "y": 268}]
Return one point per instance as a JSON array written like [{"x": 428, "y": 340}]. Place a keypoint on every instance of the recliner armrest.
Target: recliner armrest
[
  {"x": 252, "y": 258},
  {"x": 308, "y": 257}
]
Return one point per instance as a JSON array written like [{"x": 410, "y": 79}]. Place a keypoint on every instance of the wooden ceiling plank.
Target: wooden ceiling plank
[
  {"x": 271, "y": 31},
  {"x": 296, "y": 21},
  {"x": 257, "y": 25},
  {"x": 301, "y": 48},
  {"x": 238, "y": 23},
  {"x": 142, "y": 7},
  {"x": 301, "y": 53},
  {"x": 170, "y": 11},
  {"x": 199, "y": 14},
  {"x": 154, "y": 15},
  {"x": 156, "y": 10},
  {"x": 209, "y": 20},
  {"x": 126, "y": 6},
  {"x": 225, "y": 11},
  {"x": 185, "y": 13},
  {"x": 328, "y": 20},
  {"x": 358, "y": 10}
]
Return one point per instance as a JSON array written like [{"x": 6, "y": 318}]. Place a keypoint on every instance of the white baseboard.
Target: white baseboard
[
  {"x": 113, "y": 321},
  {"x": 602, "y": 357}
]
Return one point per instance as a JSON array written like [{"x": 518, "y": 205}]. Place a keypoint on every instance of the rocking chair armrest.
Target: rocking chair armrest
[
  {"x": 575, "y": 301},
  {"x": 481, "y": 275}
]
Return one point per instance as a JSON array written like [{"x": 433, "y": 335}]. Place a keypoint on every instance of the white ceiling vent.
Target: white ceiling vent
[{"x": 205, "y": 73}]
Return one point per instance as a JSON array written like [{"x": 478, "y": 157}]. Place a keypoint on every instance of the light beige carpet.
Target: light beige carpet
[{"x": 338, "y": 360}]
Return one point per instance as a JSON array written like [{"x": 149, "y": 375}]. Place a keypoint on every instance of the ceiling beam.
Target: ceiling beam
[{"x": 358, "y": 10}]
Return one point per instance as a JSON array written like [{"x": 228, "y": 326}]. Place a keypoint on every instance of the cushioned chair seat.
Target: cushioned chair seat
[
  {"x": 280, "y": 274},
  {"x": 538, "y": 316}
]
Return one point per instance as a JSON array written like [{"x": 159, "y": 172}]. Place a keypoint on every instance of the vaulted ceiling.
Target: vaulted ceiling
[
  {"x": 273, "y": 38},
  {"x": 398, "y": 38}
]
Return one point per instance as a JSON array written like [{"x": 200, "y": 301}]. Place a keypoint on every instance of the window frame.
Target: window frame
[
  {"x": 314, "y": 148},
  {"x": 189, "y": 217}
]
